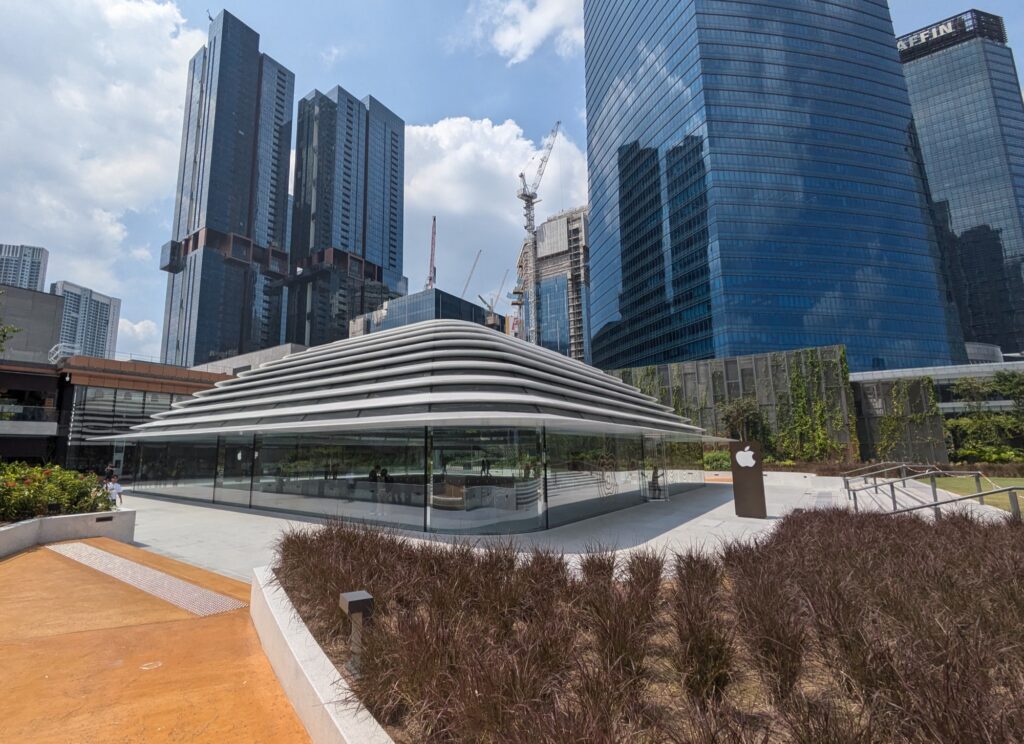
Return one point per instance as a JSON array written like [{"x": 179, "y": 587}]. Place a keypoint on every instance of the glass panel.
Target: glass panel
[
  {"x": 486, "y": 481},
  {"x": 591, "y": 475},
  {"x": 176, "y": 469},
  {"x": 234, "y": 469},
  {"x": 672, "y": 467},
  {"x": 364, "y": 476}
]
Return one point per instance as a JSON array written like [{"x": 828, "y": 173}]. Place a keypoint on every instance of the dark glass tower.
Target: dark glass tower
[
  {"x": 967, "y": 106},
  {"x": 348, "y": 213},
  {"x": 227, "y": 256},
  {"x": 754, "y": 186}
]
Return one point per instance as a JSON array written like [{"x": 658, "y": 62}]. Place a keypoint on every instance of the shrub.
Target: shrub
[
  {"x": 837, "y": 627},
  {"x": 28, "y": 491},
  {"x": 717, "y": 460}
]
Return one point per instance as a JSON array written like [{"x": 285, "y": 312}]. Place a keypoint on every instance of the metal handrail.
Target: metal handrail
[
  {"x": 915, "y": 476},
  {"x": 851, "y": 493},
  {"x": 862, "y": 468},
  {"x": 1012, "y": 490}
]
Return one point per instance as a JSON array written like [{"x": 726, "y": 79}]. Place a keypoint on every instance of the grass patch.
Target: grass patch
[
  {"x": 964, "y": 486},
  {"x": 836, "y": 627}
]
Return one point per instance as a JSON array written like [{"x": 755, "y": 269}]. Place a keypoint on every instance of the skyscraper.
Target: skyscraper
[
  {"x": 227, "y": 258},
  {"x": 23, "y": 266},
  {"x": 89, "y": 324},
  {"x": 346, "y": 243},
  {"x": 563, "y": 286},
  {"x": 754, "y": 186},
  {"x": 969, "y": 115}
]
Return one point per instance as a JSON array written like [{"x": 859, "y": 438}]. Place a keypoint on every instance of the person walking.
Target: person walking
[{"x": 114, "y": 490}]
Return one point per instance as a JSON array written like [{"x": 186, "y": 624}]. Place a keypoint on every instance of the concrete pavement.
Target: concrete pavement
[{"x": 234, "y": 541}]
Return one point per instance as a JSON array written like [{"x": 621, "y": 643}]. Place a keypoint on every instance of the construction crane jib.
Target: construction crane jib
[{"x": 528, "y": 195}]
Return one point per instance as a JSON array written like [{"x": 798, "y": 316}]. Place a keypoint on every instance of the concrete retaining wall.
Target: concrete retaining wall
[
  {"x": 117, "y": 525},
  {"x": 313, "y": 685}
]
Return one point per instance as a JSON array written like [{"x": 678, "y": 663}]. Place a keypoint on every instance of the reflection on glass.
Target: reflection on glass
[
  {"x": 486, "y": 481},
  {"x": 591, "y": 475},
  {"x": 481, "y": 481},
  {"x": 177, "y": 469},
  {"x": 366, "y": 476},
  {"x": 234, "y": 469}
]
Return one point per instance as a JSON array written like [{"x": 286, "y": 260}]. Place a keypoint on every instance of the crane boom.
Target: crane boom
[
  {"x": 528, "y": 194},
  {"x": 471, "y": 270},
  {"x": 432, "y": 271}
]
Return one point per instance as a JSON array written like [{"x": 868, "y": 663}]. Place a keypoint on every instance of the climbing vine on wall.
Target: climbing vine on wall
[
  {"x": 894, "y": 427},
  {"x": 808, "y": 423}
]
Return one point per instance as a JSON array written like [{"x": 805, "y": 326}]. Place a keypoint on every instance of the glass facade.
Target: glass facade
[
  {"x": 483, "y": 480},
  {"x": 349, "y": 180},
  {"x": 102, "y": 412},
  {"x": 231, "y": 200},
  {"x": 754, "y": 186},
  {"x": 430, "y": 304},
  {"x": 969, "y": 115}
]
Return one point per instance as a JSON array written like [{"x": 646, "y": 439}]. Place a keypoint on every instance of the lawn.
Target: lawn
[
  {"x": 835, "y": 627},
  {"x": 964, "y": 486}
]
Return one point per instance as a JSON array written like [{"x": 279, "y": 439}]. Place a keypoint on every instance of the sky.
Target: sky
[{"x": 90, "y": 130}]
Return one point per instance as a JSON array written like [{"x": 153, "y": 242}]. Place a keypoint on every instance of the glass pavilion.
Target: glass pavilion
[{"x": 442, "y": 426}]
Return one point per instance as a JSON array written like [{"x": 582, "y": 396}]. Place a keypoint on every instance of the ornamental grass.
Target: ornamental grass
[{"x": 835, "y": 627}]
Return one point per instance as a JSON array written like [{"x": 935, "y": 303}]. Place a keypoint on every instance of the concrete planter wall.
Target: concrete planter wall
[
  {"x": 314, "y": 686},
  {"x": 117, "y": 525}
]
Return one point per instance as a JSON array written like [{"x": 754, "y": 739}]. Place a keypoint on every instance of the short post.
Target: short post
[
  {"x": 856, "y": 509},
  {"x": 359, "y": 608},
  {"x": 1014, "y": 506},
  {"x": 935, "y": 498},
  {"x": 977, "y": 488},
  {"x": 892, "y": 492},
  {"x": 846, "y": 486},
  {"x": 903, "y": 470}
]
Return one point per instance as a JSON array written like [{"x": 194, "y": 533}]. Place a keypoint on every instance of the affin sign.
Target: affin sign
[{"x": 922, "y": 37}]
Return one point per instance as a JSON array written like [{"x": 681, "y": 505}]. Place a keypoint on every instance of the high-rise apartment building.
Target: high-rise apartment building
[
  {"x": 227, "y": 260},
  {"x": 966, "y": 99},
  {"x": 346, "y": 243},
  {"x": 754, "y": 186},
  {"x": 89, "y": 324},
  {"x": 563, "y": 288},
  {"x": 23, "y": 266}
]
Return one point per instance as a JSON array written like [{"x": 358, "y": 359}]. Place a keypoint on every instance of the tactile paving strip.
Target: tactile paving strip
[{"x": 194, "y": 599}]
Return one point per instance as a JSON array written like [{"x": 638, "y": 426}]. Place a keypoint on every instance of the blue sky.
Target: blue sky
[{"x": 90, "y": 151}]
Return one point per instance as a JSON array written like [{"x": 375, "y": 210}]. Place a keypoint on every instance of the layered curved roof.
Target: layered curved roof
[{"x": 435, "y": 373}]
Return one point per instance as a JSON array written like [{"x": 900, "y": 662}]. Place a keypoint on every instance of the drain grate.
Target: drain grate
[{"x": 194, "y": 599}]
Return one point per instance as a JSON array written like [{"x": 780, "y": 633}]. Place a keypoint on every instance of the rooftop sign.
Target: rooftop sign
[{"x": 944, "y": 34}]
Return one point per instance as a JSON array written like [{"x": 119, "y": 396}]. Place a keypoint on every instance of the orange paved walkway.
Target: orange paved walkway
[{"x": 85, "y": 657}]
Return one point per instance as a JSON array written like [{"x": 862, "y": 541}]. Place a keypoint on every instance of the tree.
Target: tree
[
  {"x": 6, "y": 331},
  {"x": 743, "y": 419}
]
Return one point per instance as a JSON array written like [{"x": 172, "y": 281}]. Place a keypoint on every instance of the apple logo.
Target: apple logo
[{"x": 745, "y": 458}]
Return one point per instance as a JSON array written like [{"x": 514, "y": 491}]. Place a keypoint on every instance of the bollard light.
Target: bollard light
[{"x": 359, "y": 608}]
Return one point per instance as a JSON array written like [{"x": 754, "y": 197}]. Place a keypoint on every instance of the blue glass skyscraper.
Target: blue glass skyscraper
[
  {"x": 227, "y": 255},
  {"x": 967, "y": 106},
  {"x": 755, "y": 186}
]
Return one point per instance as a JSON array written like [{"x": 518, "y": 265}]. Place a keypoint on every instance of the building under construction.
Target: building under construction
[{"x": 559, "y": 314}]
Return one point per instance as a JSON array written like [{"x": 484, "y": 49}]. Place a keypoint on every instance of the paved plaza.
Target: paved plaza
[
  {"x": 233, "y": 541},
  {"x": 105, "y": 642}
]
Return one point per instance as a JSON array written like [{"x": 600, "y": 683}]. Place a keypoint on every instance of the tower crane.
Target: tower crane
[
  {"x": 432, "y": 271},
  {"x": 492, "y": 317},
  {"x": 528, "y": 194}
]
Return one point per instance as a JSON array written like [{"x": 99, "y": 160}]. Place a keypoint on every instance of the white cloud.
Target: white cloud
[
  {"x": 332, "y": 54},
  {"x": 466, "y": 172},
  {"x": 517, "y": 28},
  {"x": 142, "y": 338},
  {"x": 91, "y": 129}
]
